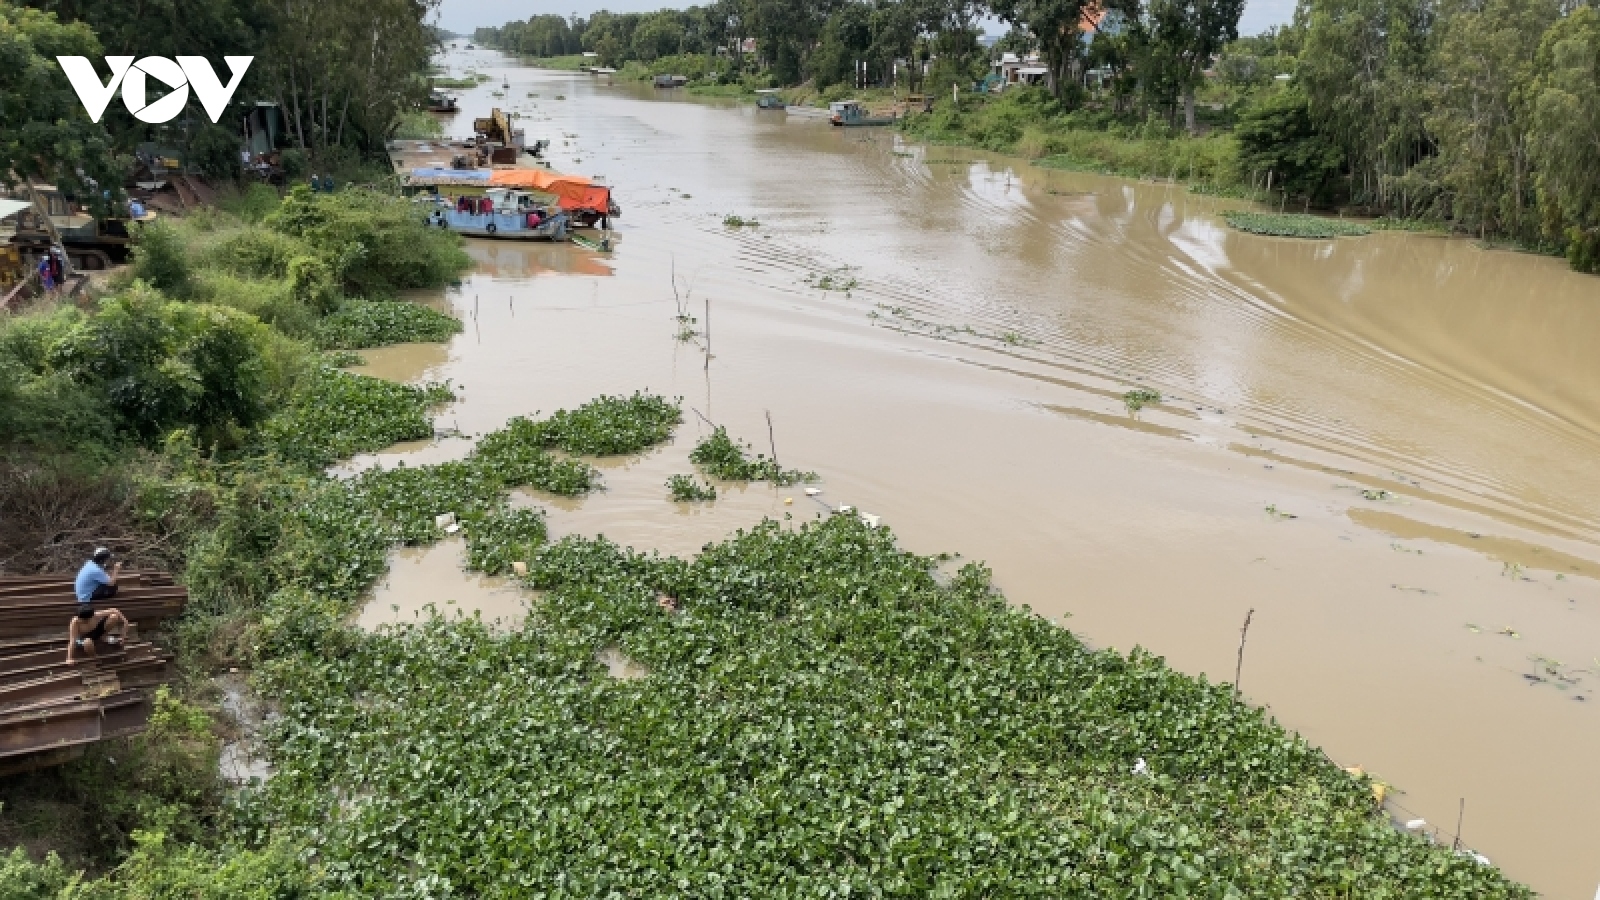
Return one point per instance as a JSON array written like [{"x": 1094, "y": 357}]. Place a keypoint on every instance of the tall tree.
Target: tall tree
[
  {"x": 1057, "y": 27},
  {"x": 1184, "y": 35},
  {"x": 1565, "y": 144},
  {"x": 1366, "y": 68},
  {"x": 47, "y": 135}
]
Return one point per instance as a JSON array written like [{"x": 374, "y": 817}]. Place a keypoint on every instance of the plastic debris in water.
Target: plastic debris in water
[
  {"x": 519, "y": 567},
  {"x": 444, "y": 519},
  {"x": 870, "y": 519},
  {"x": 812, "y": 492},
  {"x": 1416, "y": 824},
  {"x": 452, "y": 528},
  {"x": 1140, "y": 767}
]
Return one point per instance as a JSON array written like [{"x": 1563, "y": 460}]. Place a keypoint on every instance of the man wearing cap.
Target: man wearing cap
[{"x": 94, "y": 583}]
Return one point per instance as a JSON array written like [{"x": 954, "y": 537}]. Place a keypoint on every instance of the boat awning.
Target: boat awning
[
  {"x": 461, "y": 175},
  {"x": 12, "y": 207},
  {"x": 571, "y": 191},
  {"x": 1032, "y": 70}
]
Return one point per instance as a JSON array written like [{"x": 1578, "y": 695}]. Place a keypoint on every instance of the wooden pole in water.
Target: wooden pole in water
[
  {"x": 771, "y": 441},
  {"x": 1244, "y": 632},
  {"x": 708, "y": 334},
  {"x": 1460, "y": 814}
]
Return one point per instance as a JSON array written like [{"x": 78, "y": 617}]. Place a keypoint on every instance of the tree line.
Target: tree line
[
  {"x": 341, "y": 72},
  {"x": 1481, "y": 115}
]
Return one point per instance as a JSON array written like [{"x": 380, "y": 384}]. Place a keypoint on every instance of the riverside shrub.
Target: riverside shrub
[{"x": 361, "y": 324}]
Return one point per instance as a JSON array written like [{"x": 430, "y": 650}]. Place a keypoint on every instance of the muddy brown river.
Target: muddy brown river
[{"x": 1385, "y": 446}]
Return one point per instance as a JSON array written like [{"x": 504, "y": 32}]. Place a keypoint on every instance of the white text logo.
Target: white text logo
[{"x": 187, "y": 72}]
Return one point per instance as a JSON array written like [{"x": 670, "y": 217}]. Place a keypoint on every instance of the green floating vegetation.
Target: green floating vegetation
[
  {"x": 1292, "y": 225},
  {"x": 823, "y": 717},
  {"x": 733, "y": 221},
  {"x": 360, "y": 324},
  {"x": 454, "y": 83},
  {"x": 497, "y": 540},
  {"x": 721, "y": 457},
  {"x": 342, "y": 359},
  {"x": 334, "y": 415},
  {"x": 688, "y": 489},
  {"x": 1139, "y": 398}
]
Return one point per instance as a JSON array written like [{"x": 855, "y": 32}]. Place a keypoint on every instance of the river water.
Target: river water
[{"x": 1384, "y": 446}]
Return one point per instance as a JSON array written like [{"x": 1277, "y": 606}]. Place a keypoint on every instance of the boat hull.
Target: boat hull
[{"x": 500, "y": 226}]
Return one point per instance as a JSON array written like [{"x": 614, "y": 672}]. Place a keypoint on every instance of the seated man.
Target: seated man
[
  {"x": 89, "y": 626},
  {"x": 93, "y": 582}
]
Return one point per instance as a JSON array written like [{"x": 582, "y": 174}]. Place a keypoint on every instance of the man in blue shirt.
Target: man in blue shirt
[{"x": 93, "y": 581}]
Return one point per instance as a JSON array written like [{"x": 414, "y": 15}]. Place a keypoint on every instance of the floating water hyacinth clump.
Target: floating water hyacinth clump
[{"x": 1292, "y": 225}]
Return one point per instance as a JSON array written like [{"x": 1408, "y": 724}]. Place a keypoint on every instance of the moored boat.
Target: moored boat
[
  {"x": 851, "y": 113},
  {"x": 503, "y": 214}
]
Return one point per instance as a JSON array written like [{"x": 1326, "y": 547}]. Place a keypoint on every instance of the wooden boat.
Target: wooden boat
[
  {"x": 669, "y": 81},
  {"x": 850, "y": 113},
  {"x": 512, "y": 218},
  {"x": 768, "y": 98}
]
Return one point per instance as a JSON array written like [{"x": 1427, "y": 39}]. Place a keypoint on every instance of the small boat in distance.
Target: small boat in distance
[
  {"x": 769, "y": 98},
  {"x": 851, "y": 113},
  {"x": 669, "y": 81}
]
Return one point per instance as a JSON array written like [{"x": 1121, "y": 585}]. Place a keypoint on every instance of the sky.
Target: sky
[{"x": 462, "y": 16}]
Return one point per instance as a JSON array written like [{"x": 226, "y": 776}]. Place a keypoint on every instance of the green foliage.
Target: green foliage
[
  {"x": 47, "y": 135},
  {"x": 418, "y": 124},
  {"x": 1292, "y": 224},
  {"x": 373, "y": 243},
  {"x": 1565, "y": 97},
  {"x": 160, "y": 868},
  {"x": 721, "y": 457},
  {"x": 1277, "y": 137},
  {"x": 253, "y": 204},
  {"x": 161, "y": 364},
  {"x": 504, "y": 536},
  {"x": 612, "y": 425},
  {"x": 160, "y": 258},
  {"x": 1139, "y": 398},
  {"x": 360, "y": 324},
  {"x": 215, "y": 151},
  {"x": 916, "y": 737},
  {"x": 337, "y": 414},
  {"x": 688, "y": 489},
  {"x": 23, "y": 879},
  {"x": 734, "y": 221}
]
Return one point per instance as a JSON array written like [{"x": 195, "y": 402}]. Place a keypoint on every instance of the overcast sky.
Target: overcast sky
[{"x": 463, "y": 16}]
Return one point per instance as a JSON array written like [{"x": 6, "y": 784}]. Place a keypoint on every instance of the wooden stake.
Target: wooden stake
[
  {"x": 1460, "y": 814},
  {"x": 771, "y": 441},
  {"x": 708, "y": 334},
  {"x": 1238, "y": 669}
]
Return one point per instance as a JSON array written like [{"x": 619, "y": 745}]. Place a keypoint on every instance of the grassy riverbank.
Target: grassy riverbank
[
  {"x": 825, "y": 713},
  {"x": 1027, "y": 122}
]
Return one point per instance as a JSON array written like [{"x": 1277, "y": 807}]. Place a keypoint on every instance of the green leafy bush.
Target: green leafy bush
[
  {"x": 375, "y": 244},
  {"x": 160, "y": 259},
  {"x": 502, "y": 537},
  {"x": 337, "y": 414},
  {"x": 360, "y": 324},
  {"x": 687, "y": 489},
  {"x": 721, "y": 457},
  {"x": 1292, "y": 225}
]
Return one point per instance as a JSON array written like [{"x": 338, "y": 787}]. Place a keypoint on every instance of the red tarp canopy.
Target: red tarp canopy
[{"x": 573, "y": 192}]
